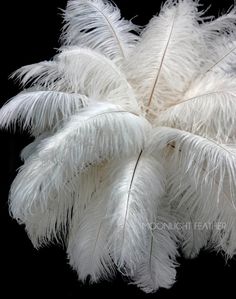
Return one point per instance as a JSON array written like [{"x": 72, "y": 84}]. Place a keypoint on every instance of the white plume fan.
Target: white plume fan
[{"x": 135, "y": 141}]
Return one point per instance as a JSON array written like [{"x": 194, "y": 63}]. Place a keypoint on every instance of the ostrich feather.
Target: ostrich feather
[
  {"x": 133, "y": 130},
  {"x": 51, "y": 222},
  {"x": 158, "y": 266},
  {"x": 206, "y": 225},
  {"x": 40, "y": 111},
  {"x": 88, "y": 249},
  {"x": 96, "y": 76},
  {"x": 111, "y": 220},
  {"x": 136, "y": 187},
  {"x": 33, "y": 146},
  {"x": 98, "y": 25},
  {"x": 113, "y": 225},
  {"x": 84, "y": 71},
  {"x": 212, "y": 99},
  {"x": 97, "y": 133},
  {"x": 215, "y": 27},
  {"x": 208, "y": 170},
  {"x": 193, "y": 236},
  {"x": 221, "y": 55},
  {"x": 43, "y": 73},
  {"x": 70, "y": 151},
  {"x": 168, "y": 41}
]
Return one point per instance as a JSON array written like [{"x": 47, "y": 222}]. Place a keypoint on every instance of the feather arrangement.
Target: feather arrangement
[{"x": 134, "y": 157}]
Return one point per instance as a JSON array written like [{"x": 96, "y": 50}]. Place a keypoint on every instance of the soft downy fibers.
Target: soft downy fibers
[{"x": 135, "y": 141}]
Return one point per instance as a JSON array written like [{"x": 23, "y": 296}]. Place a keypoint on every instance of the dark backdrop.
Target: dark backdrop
[{"x": 29, "y": 33}]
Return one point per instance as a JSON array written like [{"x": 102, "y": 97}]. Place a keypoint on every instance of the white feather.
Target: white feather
[
  {"x": 157, "y": 269},
  {"x": 97, "y": 133},
  {"x": 40, "y": 111},
  {"x": 83, "y": 71},
  {"x": 136, "y": 188},
  {"x": 206, "y": 179},
  {"x": 96, "y": 76},
  {"x": 167, "y": 57},
  {"x": 92, "y": 136},
  {"x": 50, "y": 217},
  {"x": 213, "y": 28},
  {"x": 43, "y": 73},
  {"x": 97, "y": 24},
  {"x": 31, "y": 148},
  {"x": 207, "y": 109},
  {"x": 88, "y": 249},
  {"x": 221, "y": 55}
]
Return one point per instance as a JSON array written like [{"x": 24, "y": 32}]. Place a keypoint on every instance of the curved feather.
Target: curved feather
[
  {"x": 221, "y": 55},
  {"x": 40, "y": 111},
  {"x": 43, "y": 73},
  {"x": 214, "y": 29},
  {"x": 207, "y": 109},
  {"x": 31, "y": 148},
  {"x": 49, "y": 217},
  {"x": 205, "y": 178},
  {"x": 83, "y": 71},
  {"x": 97, "y": 133},
  {"x": 96, "y": 76},
  {"x": 168, "y": 56},
  {"x": 137, "y": 186},
  {"x": 88, "y": 249},
  {"x": 97, "y": 24},
  {"x": 89, "y": 138},
  {"x": 158, "y": 266}
]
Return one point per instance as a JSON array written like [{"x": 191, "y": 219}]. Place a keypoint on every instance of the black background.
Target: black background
[{"x": 29, "y": 33}]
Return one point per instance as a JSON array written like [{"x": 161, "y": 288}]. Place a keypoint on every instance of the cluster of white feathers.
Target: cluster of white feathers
[{"x": 135, "y": 141}]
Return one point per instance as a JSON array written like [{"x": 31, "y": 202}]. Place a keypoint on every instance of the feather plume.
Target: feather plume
[
  {"x": 71, "y": 150},
  {"x": 206, "y": 178},
  {"x": 168, "y": 41},
  {"x": 88, "y": 249},
  {"x": 96, "y": 76},
  {"x": 136, "y": 187},
  {"x": 131, "y": 132},
  {"x": 207, "y": 109},
  {"x": 158, "y": 266},
  {"x": 98, "y": 25},
  {"x": 43, "y": 73},
  {"x": 97, "y": 133},
  {"x": 220, "y": 55},
  {"x": 49, "y": 218},
  {"x": 83, "y": 71},
  {"x": 40, "y": 111},
  {"x": 213, "y": 28},
  {"x": 33, "y": 147}
]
